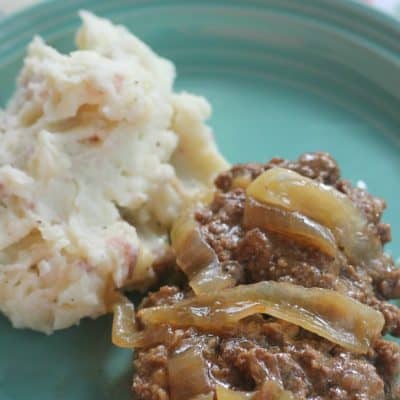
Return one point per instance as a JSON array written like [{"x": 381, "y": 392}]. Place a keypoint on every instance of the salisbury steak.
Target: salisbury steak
[{"x": 266, "y": 357}]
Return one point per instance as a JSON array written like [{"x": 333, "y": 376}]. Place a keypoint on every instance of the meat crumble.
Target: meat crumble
[{"x": 265, "y": 349}]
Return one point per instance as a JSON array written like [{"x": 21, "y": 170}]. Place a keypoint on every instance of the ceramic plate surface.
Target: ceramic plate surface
[{"x": 283, "y": 76}]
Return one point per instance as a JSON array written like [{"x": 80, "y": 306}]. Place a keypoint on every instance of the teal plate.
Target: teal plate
[{"x": 284, "y": 77}]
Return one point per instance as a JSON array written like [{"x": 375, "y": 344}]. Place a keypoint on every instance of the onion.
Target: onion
[
  {"x": 241, "y": 181},
  {"x": 327, "y": 313},
  {"x": 197, "y": 259},
  {"x": 124, "y": 332},
  {"x": 224, "y": 393},
  {"x": 289, "y": 223},
  {"x": 291, "y": 191},
  {"x": 188, "y": 375},
  {"x": 270, "y": 390}
]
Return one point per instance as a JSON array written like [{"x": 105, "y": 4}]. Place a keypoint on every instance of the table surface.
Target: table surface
[{"x": 9, "y": 6}]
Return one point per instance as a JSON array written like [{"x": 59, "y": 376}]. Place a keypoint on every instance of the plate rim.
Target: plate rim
[{"x": 383, "y": 22}]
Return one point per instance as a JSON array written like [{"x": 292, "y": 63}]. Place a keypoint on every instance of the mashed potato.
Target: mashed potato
[{"x": 97, "y": 157}]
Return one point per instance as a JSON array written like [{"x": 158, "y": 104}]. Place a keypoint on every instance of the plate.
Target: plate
[{"x": 283, "y": 76}]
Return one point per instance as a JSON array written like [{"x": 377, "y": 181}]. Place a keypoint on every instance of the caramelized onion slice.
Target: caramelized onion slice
[
  {"x": 324, "y": 204},
  {"x": 224, "y": 393},
  {"x": 327, "y": 313},
  {"x": 188, "y": 375},
  {"x": 124, "y": 332},
  {"x": 290, "y": 224},
  {"x": 196, "y": 258}
]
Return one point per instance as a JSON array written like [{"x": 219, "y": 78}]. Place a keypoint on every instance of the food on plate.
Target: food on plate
[
  {"x": 301, "y": 297},
  {"x": 313, "y": 309},
  {"x": 278, "y": 286},
  {"x": 98, "y": 155}
]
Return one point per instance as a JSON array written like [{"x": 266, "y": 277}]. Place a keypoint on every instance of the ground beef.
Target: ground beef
[
  {"x": 269, "y": 256},
  {"x": 151, "y": 382},
  {"x": 263, "y": 348}
]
